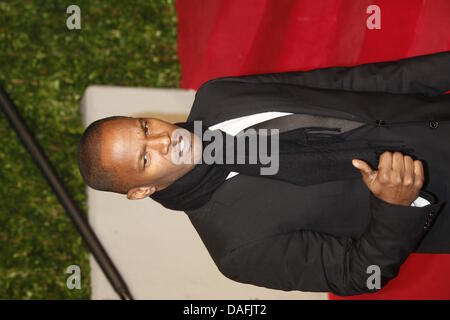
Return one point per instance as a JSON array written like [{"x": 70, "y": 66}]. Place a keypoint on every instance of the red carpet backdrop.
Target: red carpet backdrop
[{"x": 234, "y": 37}]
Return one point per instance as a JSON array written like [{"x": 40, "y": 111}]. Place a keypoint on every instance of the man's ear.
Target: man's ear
[{"x": 140, "y": 192}]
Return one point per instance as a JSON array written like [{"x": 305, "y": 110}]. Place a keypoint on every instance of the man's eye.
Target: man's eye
[
  {"x": 146, "y": 160},
  {"x": 146, "y": 127}
]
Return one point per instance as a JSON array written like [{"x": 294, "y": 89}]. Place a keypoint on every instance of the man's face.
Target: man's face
[{"x": 142, "y": 152}]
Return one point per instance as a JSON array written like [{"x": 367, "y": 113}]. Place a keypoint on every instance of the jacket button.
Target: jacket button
[{"x": 434, "y": 124}]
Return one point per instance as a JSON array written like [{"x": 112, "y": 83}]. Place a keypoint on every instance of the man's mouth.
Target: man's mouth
[{"x": 183, "y": 146}]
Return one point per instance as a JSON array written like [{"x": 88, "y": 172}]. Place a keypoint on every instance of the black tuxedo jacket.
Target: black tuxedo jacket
[{"x": 324, "y": 237}]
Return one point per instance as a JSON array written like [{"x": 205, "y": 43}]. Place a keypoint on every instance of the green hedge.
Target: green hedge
[{"x": 45, "y": 69}]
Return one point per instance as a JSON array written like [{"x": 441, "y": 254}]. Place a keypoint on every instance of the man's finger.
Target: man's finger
[
  {"x": 398, "y": 164},
  {"x": 362, "y": 166},
  {"x": 385, "y": 167},
  {"x": 418, "y": 173},
  {"x": 385, "y": 162},
  {"x": 408, "y": 179}
]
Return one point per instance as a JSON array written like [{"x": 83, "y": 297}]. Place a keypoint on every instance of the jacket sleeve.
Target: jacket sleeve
[
  {"x": 312, "y": 261},
  {"x": 427, "y": 75}
]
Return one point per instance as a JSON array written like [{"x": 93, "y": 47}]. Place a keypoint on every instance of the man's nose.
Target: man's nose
[{"x": 160, "y": 142}]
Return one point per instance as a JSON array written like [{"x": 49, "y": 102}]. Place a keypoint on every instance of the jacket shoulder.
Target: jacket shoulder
[{"x": 207, "y": 97}]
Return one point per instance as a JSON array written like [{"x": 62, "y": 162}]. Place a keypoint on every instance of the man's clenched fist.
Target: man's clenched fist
[{"x": 398, "y": 179}]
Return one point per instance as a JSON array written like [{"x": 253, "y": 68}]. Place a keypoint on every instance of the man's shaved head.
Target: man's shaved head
[
  {"x": 134, "y": 156},
  {"x": 89, "y": 159}
]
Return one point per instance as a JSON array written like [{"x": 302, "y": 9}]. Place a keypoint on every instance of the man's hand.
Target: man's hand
[{"x": 398, "y": 179}]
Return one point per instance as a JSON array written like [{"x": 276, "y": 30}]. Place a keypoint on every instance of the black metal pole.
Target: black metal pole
[{"x": 64, "y": 197}]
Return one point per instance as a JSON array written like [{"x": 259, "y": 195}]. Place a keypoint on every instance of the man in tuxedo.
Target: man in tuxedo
[{"x": 323, "y": 237}]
